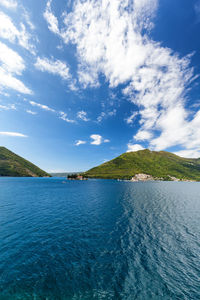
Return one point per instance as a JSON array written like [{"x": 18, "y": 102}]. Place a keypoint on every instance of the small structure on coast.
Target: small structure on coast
[
  {"x": 142, "y": 177},
  {"x": 76, "y": 177}
]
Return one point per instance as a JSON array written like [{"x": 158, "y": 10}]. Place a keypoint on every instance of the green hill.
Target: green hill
[
  {"x": 16, "y": 166},
  {"x": 157, "y": 164}
]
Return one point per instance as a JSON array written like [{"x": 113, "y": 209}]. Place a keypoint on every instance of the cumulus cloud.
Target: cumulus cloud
[
  {"x": 11, "y": 64},
  {"x": 12, "y": 134},
  {"x": 10, "y": 32},
  {"x": 134, "y": 147},
  {"x": 98, "y": 140},
  {"x": 80, "y": 142}
]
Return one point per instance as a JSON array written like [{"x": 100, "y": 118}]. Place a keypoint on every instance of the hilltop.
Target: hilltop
[
  {"x": 160, "y": 165},
  {"x": 15, "y": 166}
]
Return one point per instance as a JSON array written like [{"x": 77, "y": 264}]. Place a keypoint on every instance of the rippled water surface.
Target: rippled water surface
[{"x": 99, "y": 239}]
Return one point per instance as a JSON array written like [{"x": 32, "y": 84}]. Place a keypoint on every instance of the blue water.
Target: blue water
[{"x": 99, "y": 239}]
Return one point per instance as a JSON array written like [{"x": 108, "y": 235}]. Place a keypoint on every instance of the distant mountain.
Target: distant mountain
[
  {"x": 16, "y": 166},
  {"x": 160, "y": 165},
  {"x": 63, "y": 174}
]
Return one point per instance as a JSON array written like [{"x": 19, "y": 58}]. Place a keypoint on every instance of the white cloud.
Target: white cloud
[
  {"x": 51, "y": 19},
  {"x": 130, "y": 119},
  {"x": 31, "y": 112},
  {"x": 56, "y": 67},
  {"x": 42, "y": 106},
  {"x": 63, "y": 116},
  {"x": 134, "y": 147},
  {"x": 188, "y": 153},
  {"x": 11, "y": 64},
  {"x": 98, "y": 140},
  {"x": 112, "y": 38},
  {"x": 10, "y": 82},
  {"x": 8, "y": 107},
  {"x": 82, "y": 115},
  {"x": 10, "y": 60},
  {"x": 106, "y": 141},
  {"x": 106, "y": 114},
  {"x": 9, "y": 31},
  {"x": 80, "y": 142},
  {"x": 28, "y": 19},
  {"x": 14, "y": 134},
  {"x": 143, "y": 135},
  {"x": 107, "y": 37},
  {"x": 11, "y": 4},
  {"x": 60, "y": 114}
]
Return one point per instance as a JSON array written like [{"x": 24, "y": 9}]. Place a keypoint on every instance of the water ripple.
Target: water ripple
[{"x": 99, "y": 239}]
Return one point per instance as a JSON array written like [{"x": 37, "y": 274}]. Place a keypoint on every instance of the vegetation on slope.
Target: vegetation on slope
[
  {"x": 16, "y": 166},
  {"x": 158, "y": 164}
]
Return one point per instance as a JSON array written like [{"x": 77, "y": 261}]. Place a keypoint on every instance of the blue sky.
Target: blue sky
[{"x": 83, "y": 81}]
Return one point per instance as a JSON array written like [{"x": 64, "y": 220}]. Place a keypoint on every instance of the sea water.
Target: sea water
[{"x": 99, "y": 239}]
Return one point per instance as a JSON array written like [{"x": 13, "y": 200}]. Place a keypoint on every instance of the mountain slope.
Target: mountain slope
[
  {"x": 157, "y": 164},
  {"x": 16, "y": 166}
]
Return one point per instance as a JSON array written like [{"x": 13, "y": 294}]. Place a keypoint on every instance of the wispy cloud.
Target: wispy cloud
[
  {"x": 10, "y": 32},
  {"x": 63, "y": 116},
  {"x": 82, "y": 115},
  {"x": 56, "y": 67},
  {"x": 31, "y": 112},
  {"x": 51, "y": 19},
  {"x": 197, "y": 10},
  {"x": 10, "y": 4},
  {"x": 80, "y": 142},
  {"x": 188, "y": 153},
  {"x": 27, "y": 19},
  {"x": 11, "y": 64},
  {"x": 12, "y": 134},
  {"x": 106, "y": 114},
  {"x": 112, "y": 38},
  {"x": 130, "y": 119},
  {"x": 60, "y": 114},
  {"x": 8, "y": 107},
  {"x": 42, "y": 106}
]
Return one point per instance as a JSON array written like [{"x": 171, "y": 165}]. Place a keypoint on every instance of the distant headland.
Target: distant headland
[
  {"x": 14, "y": 165},
  {"x": 145, "y": 165}
]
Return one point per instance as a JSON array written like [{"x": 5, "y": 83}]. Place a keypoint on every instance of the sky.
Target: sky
[{"x": 84, "y": 81}]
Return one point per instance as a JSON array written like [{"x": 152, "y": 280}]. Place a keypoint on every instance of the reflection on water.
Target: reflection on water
[{"x": 99, "y": 239}]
